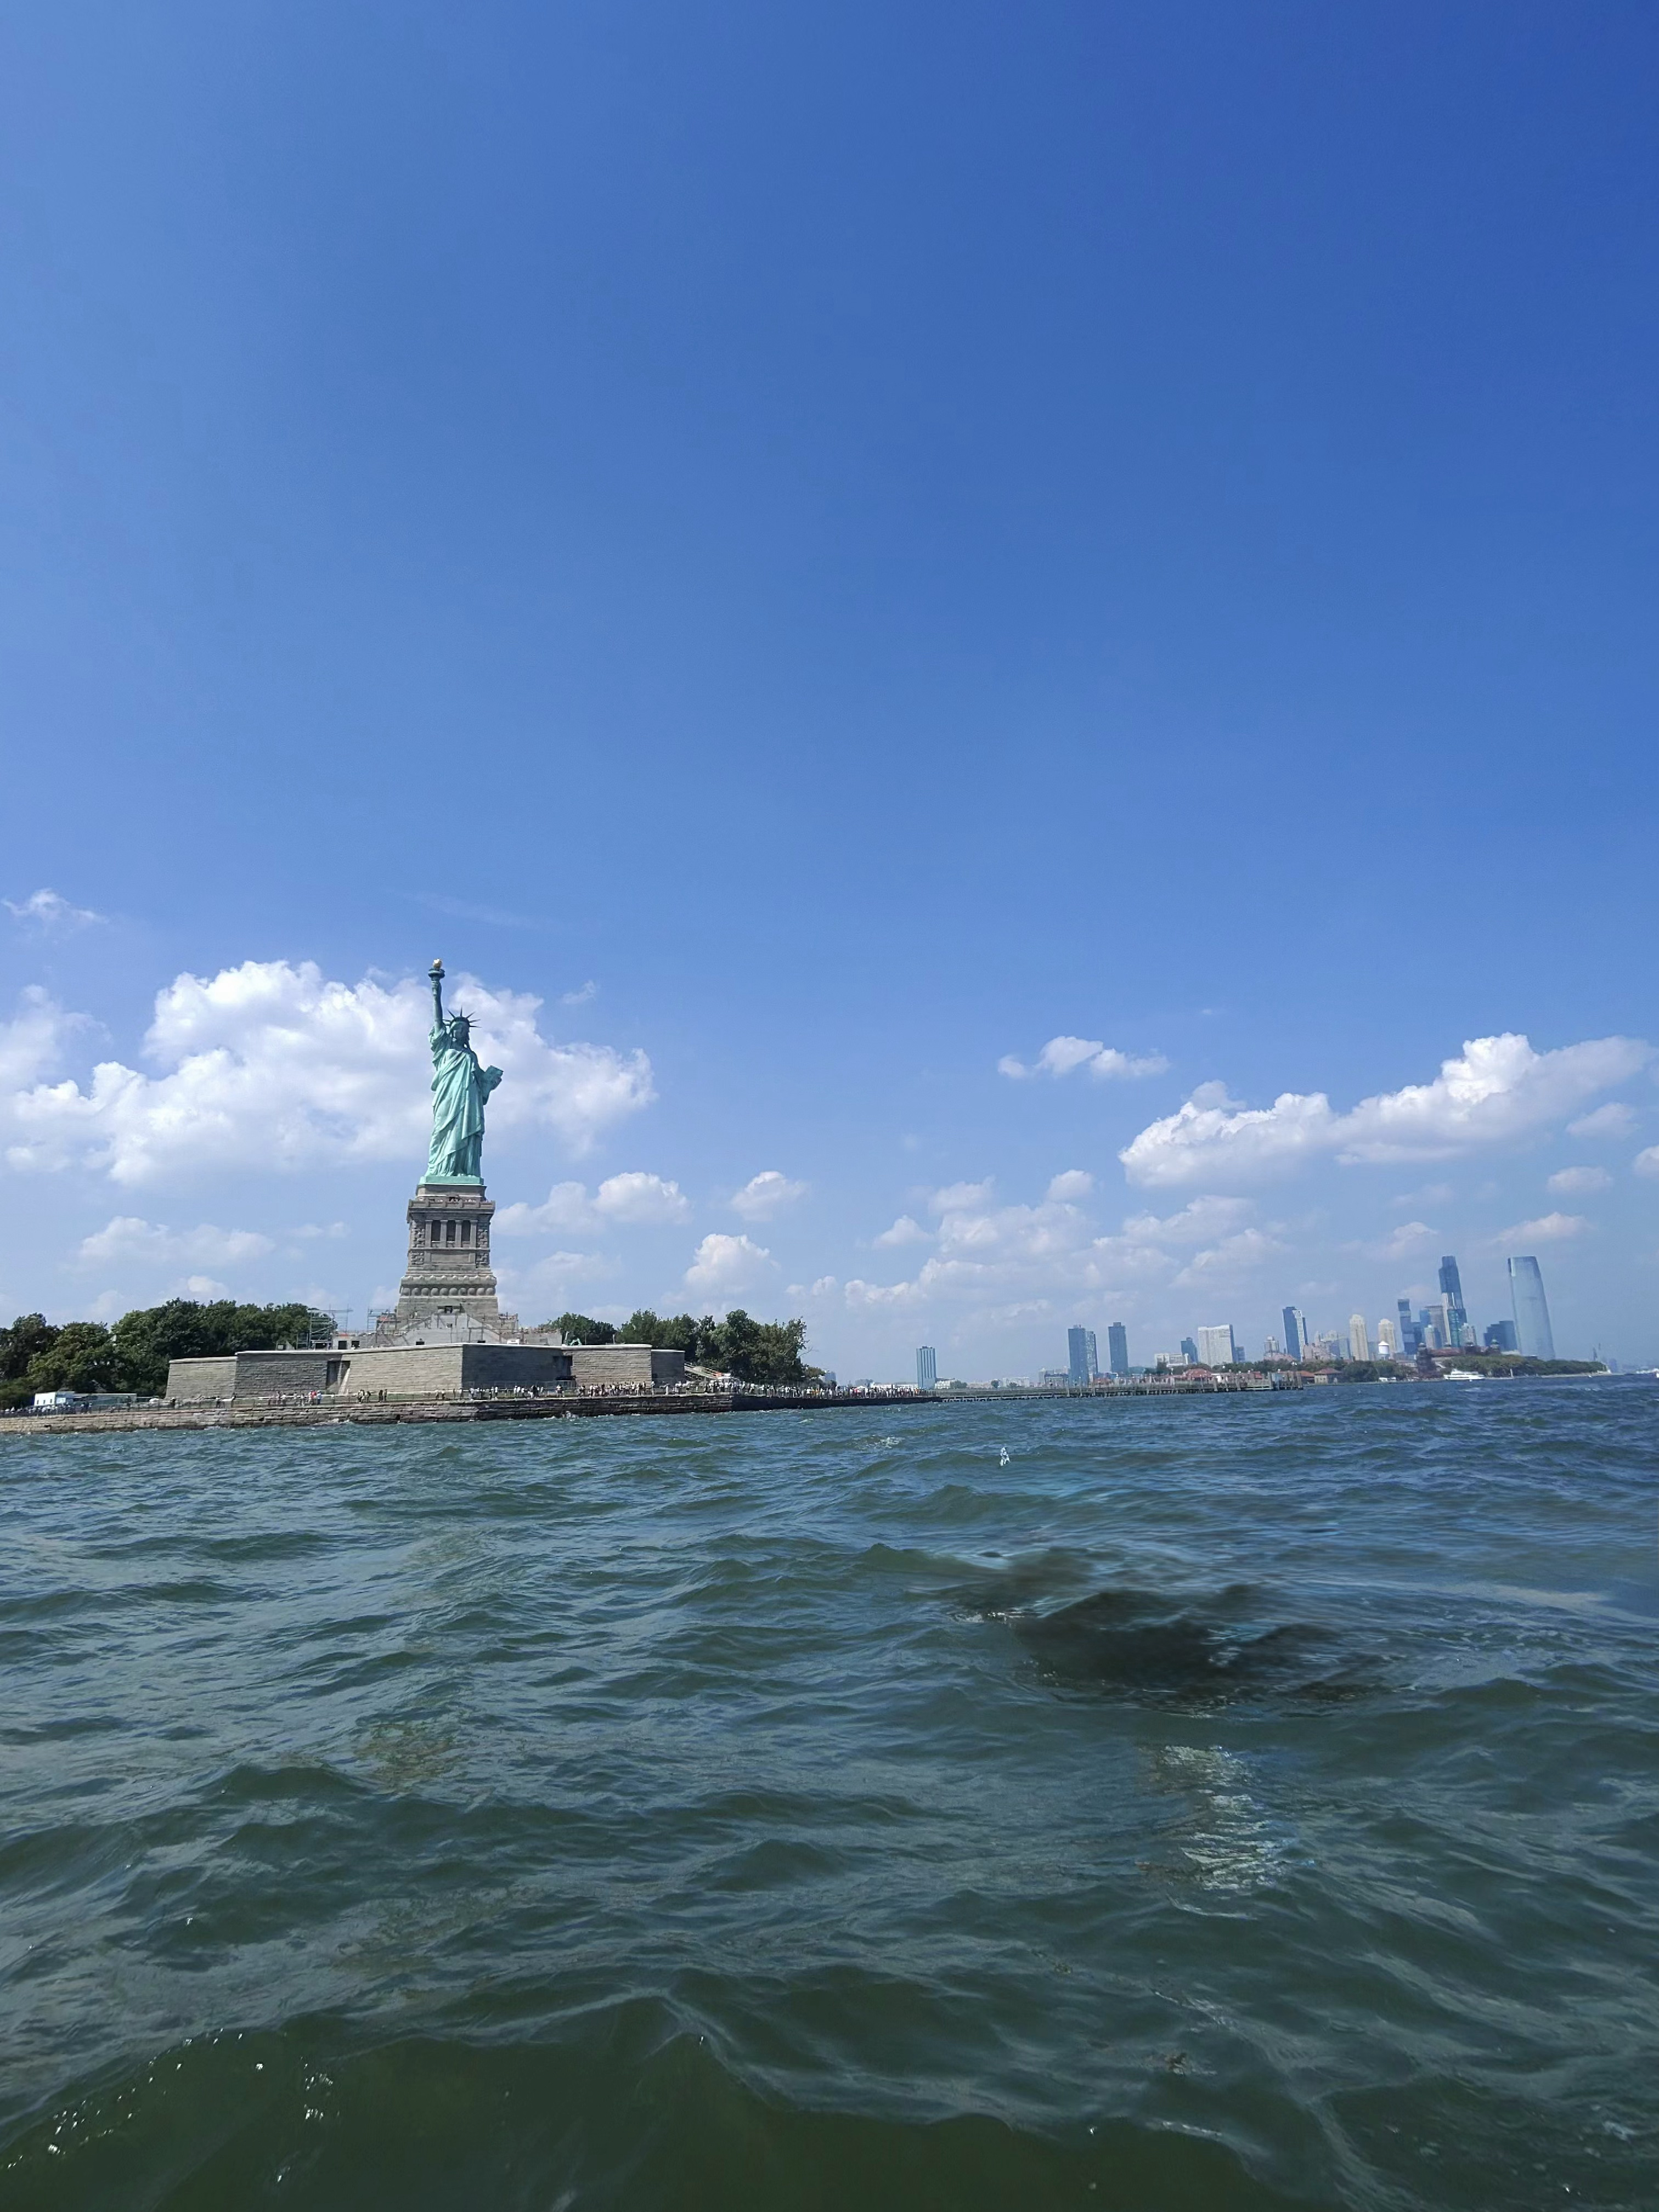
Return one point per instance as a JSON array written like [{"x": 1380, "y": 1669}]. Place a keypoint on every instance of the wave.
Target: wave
[
  {"x": 632, "y": 2109},
  {"x": 1186, "y": 1645}
]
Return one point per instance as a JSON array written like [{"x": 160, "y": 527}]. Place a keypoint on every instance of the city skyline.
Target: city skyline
[{"x": 1443, "y": 1325}]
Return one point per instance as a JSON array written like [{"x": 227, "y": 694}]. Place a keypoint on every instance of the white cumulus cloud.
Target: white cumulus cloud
[
  {"x": 271, "y": 1064},
  {"x": 540, "y": 1291},
  {"x": 1570, "y": 1180},
  {"x": 128, "y": 1238},
  {"x": 636, "y": 1196},
  {"x": 1064, "y": 1055},
  {"x": 632, "y": 1199},
  {"x": 984, "y": 1250},
  {"x": 1615, "y": 1119},
  {"x": 1548, "y": 1229},
  {"x": 724, "y": 1267},
  {"x": 1005, "y": 1259},
  {"x": 1403, "y": 1243},
  {"x": 1233, "y": 1255},
  {"x": 862, "y": 1296},
  {"x": 1073, "y": 1182},
  {"x": 766, "y": 1194},
  {"x": 1199, "y": 1221},
  {"x": 1498, "y": 1090},
  {"x": 1647, "y": 1163},
  {"x": 34, "y": 1042},
  {"x": 904, "y": 1230},
  {"x": 49, "y": 910}
]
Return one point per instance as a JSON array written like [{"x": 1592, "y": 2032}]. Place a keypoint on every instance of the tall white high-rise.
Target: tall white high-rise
[
  {"x": 1359, "y": 1344},
  {"x": 1388, "y": 1339},
  {"x": 1534, "y": 1336},
  {"x": 926, "y": 1367},
  {"x": 1216, "y": 1347}
]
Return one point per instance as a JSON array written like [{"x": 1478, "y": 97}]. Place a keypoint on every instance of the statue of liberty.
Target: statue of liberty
[{"x": 459, "y": 1087}]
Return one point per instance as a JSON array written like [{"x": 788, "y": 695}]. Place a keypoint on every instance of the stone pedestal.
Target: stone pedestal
[{"x": 448, "y": 1270}]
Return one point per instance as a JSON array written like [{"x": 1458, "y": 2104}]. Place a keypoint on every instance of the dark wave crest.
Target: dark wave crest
[
  {"x": 631, "y": 2111},
  {"x": 1153, "y": 1643}
]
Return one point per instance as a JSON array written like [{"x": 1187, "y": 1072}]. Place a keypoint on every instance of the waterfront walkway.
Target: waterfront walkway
[{"x": 326, "y": 1412}]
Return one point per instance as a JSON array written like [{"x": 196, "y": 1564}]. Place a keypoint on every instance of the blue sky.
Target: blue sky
[{"x": 831, "y": 549}]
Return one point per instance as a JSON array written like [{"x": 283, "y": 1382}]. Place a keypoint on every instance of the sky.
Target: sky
[{"x": 1010, "y": 653}]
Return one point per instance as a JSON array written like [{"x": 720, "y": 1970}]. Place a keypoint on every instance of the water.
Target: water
[{"x": 1244, "y": 1802}]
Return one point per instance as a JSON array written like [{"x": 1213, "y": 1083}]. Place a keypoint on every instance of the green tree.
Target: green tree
[
  {"x": 150, "y": 1336},
  {"x": 81, "y": 1355},
  {"x": 757, "y": 1350},
  {"x": 582, "y": 1328},
  {"x": 29, "y": 1336},
  {"x": 676, "y": 1333}
]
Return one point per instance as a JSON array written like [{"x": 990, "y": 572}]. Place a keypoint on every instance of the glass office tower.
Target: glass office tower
[
  {"x": 1533, "y": 1334},
  {"x": 1293, "y": 1344},
  {"x": 926, "y": 1367},
  {"x": 1117, "y": 1348},
  {"x": 1451, "y": 1289},
  {"x": 1080, "y": 1356}
]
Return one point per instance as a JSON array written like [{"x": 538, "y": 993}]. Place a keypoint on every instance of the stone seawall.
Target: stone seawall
[{"x": 332, "y": 1413}]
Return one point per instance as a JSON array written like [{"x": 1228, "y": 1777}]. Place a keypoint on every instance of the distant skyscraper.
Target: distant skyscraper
[
  {"x": 1500, "y": 1337},
  {"x": 1533, "y": 1334},
  {"x": 1360, "y": 1343},
  {"x": 1190, "y": 1351},
  {"x": 1388, "y": 1339},
  {"x": 1295, "y": 1344},
  {"x": 1094, "y": 1357},
  {"x": 1117, "y": 1348},
  {"x": 1216, "y": 1347},
  {"x": 1080, "y": 1364},
  {"x": 1410, "y": 1335},
  {"x": 1451, "y": 1289},
  {"x": 926, "y": 1368}
]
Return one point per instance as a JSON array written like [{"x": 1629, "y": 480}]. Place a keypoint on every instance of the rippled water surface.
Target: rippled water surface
[{"x": 1233, "y": 1802}]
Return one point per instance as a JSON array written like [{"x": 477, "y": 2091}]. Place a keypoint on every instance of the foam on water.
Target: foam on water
[{"x": 1248, "y": 1802}]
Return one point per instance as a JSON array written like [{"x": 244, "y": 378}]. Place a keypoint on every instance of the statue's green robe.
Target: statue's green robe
[{"x": 459, "y": 1087}]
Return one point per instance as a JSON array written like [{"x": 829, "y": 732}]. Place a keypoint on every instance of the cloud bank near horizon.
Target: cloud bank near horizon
[{"x": 1497, "y": 1091}]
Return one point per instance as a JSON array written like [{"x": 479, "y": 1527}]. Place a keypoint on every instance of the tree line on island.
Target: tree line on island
[
  {"x": 754, "y": 1351},
  {"x": 132, "y": 1354}
]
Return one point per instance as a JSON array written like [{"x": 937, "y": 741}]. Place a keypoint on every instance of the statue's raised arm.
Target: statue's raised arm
[{"x": 459, "y": 1088}]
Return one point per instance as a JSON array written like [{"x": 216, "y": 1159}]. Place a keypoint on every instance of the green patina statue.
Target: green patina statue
[{"x": 459, "y": 1087}]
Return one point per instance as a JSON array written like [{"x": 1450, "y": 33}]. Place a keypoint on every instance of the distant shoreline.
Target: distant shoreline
[{"x": 326, "y": 1414}]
